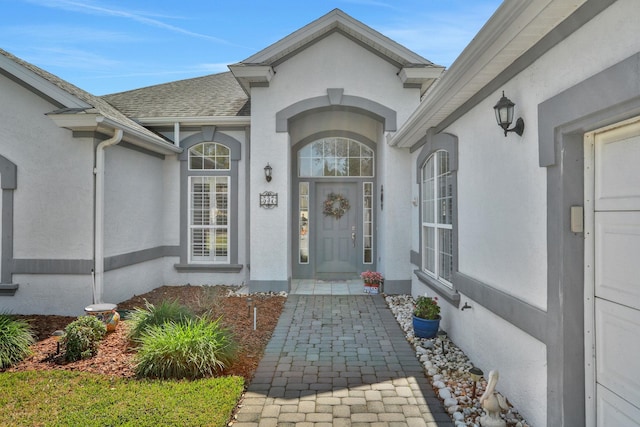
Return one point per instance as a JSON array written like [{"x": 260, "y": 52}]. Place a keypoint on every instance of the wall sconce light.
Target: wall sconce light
[
  {"x": 267, "y": 172},
  {"x": 504, "y": 116}
]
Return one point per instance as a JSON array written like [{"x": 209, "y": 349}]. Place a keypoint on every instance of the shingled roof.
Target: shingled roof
[
  {"x": 217, "y": 95},
  {"x": 101, "y": 106}
]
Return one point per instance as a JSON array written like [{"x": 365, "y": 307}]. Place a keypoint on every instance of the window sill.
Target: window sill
[
  {"x": 8, "y": 290},
  {"x": 450, "y": 295},
  {"x": 209, "y": 268}
]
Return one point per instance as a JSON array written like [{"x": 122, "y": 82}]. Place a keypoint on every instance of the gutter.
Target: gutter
[{"x": 98, "y": 240}]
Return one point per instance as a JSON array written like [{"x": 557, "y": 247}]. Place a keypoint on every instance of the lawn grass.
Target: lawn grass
[{"x": 61, "y": 398}]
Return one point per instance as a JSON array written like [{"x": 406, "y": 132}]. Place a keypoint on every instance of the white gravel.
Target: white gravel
[{"x": 448, "y": 371}]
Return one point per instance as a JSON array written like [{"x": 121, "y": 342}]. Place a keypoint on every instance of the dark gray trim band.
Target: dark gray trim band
[
  {"x": 582, "y": 15},
  {"x": 336, "y": 100},
  {"x": 52, "y": 266},
  {"x": 208, "y": 268},
  {"x": 9, "y": 182},
  {"x": 124, "y": 260},
  {"x": 85, "y": 266},
  {"x": 530, "y": 319}
]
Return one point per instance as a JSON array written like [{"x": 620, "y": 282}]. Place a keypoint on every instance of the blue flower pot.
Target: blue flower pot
[{"x": 425, "y": 328}]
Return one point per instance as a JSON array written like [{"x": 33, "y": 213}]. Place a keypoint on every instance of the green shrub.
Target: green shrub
[
  {"x": 192, "y": 349},
  {"x": 167, "y": 311},
  {"x": 15, "y": 338},
  {"x": 82, "y": 337}
]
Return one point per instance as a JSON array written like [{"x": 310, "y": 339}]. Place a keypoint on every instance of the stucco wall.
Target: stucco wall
[
  {"x": 53, "y": 216},
  {"x": 333, "y": 62},
  {"x": 134, "y": 201},
  {"x": 502, "y": 206}
]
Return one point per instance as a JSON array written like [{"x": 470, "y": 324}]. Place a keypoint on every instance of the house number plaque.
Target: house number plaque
[{"x": 268, "y": 199}]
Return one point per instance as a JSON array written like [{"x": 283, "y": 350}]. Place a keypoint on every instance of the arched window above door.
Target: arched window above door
[{"x": 335, "y": 157}]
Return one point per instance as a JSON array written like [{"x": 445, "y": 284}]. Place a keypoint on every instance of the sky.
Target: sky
[{"x": 109, "y": 46}]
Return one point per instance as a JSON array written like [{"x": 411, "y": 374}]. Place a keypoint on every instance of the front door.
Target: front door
[
  {"x": 333, "y": 213},
  {"x": 613, "y": 291},
  {"x": 337, "y": 231}
]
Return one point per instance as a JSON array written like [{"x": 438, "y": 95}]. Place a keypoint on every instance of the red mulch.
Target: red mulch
[{"x": 115, "y": 354}]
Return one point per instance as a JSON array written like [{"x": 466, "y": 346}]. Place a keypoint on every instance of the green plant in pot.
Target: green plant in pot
[{"x": 426, "y": 317}]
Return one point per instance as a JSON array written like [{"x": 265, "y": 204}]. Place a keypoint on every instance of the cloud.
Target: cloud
[
  {"x": 439, "y": 36},
  {"x": 53, "y": 34},
  {"x": 69, "y": 59},
  {"x": 145, "y": 18}
]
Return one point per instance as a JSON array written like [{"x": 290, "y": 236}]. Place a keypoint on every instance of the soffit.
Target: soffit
[{"x": 513, "y": 29}]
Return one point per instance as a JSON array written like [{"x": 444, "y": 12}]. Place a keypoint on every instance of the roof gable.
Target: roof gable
[
  {"x": 78, "y": 109},
  {"x": 337, "y": 21},
  {"x": 414, "y": 70}
]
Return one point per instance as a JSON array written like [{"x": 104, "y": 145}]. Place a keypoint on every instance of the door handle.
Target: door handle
[{"x": 353, "y": 238}]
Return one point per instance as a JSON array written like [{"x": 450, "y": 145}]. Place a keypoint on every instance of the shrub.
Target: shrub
[
  {"x": 167, "y": 311},
  {"x": 192, "y": 349},
  {"x": 82, "y": 337},
  {"x": 15, "y": 338}
]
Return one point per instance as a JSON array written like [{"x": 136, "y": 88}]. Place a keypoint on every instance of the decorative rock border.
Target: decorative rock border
[{"x": 448, "y": 369}]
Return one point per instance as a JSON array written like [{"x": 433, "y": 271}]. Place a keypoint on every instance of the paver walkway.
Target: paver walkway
[{"x": 339, "y": 360}]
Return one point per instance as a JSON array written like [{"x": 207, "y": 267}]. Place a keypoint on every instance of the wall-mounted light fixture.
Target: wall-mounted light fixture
[
  {"x": 267, "y": 172},
  {"x": 504, "y": 116}
]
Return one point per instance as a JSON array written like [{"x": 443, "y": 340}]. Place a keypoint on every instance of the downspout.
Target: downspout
[{"x": 98, "y": 240}]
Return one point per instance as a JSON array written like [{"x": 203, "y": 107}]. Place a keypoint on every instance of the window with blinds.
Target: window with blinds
[
  {"x": 209, "y": 219},
  {"x": 437, "y": 217}
]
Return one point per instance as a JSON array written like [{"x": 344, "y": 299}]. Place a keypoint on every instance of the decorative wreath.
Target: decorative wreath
[{"x": 336, "y": 205}]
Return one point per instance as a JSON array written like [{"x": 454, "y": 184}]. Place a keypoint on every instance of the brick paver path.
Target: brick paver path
[{"x": 339, "y": 361}]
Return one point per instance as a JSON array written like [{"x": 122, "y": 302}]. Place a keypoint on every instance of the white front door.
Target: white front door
[{"x": 612, "y": 263}]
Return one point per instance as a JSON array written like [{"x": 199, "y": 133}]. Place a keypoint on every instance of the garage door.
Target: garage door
[{"x": 616, "y": 276}]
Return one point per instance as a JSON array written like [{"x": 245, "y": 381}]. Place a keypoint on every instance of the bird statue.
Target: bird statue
[{"x": 492, "y": 402}]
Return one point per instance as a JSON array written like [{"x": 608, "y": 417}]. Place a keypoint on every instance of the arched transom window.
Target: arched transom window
[
  {"x": 209, "y": 156},
  {"x": 335, "y": 157}
]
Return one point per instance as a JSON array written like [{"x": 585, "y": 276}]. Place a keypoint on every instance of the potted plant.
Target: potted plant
[
  {"x": 426, "y": 317},
  {"x": 372, "y": 281}
]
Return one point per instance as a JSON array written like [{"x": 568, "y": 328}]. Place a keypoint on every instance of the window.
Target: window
[
  {"x": 367, "y": 222},
  {"x": 437, "y": 217},
  {"x": 209, "y": 182},
  {"x": 335, "y": 157},
  {"x": 209, "y": 156},
  {"x": 209, "y": 219}
]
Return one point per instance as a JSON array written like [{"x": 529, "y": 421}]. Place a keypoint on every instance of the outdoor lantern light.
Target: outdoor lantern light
[
  {"x": 58, "y": 334},
  {"x": 267, "y": 172},
  {"x": 504, "y": 116},
  {"x": 442, "y": 336},
  {"x": 476, "y": 374}
]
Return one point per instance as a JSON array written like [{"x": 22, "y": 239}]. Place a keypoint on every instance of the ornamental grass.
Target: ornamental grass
[
  {"x": 166, "y": 311},
  {"x": 15, "y": 338},
  {"x": 195, "y": 348}
]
